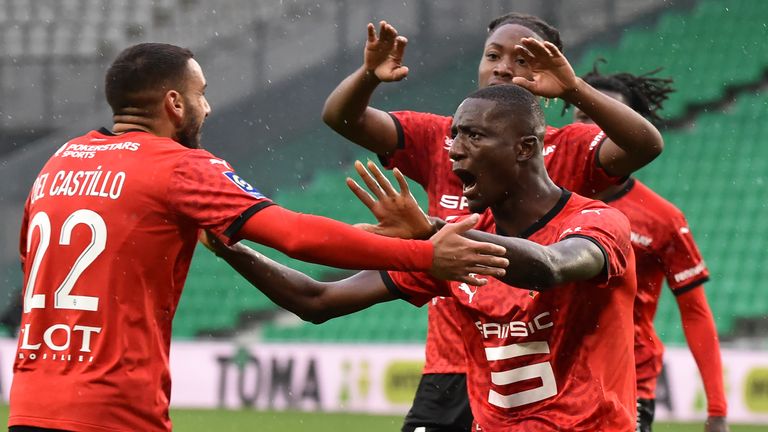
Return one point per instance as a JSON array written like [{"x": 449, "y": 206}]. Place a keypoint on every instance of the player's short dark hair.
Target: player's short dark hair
[
  {"x": 532, "y": 23},
  {"x": 142, "y": 73},
  {"x": 517, "y": 100},
  {"x": 644, "y": 93}
]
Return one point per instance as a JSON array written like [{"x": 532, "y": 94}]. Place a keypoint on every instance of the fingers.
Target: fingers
[
  {"x": 399, "y": 49},
  {"x": 373, "y": 186},
  {"x": 387, "y": 33},
  {"x": 483, "y": 248},
  {"x": 552, "y": 48},
  {"x": 371, "y": 33},
  {"x": 383, "y": 182},
  {"x": 462, "y": 225},
  {"x": 491, "y": 261},
  {"x": 404, "y": 189},
  {"x": 361, "y": 194},
  {"x": 525, "y": 83},
  {"x": 486, "y": 271},
  {"x": 472, "y": 280},
  {"x": 367, "y": 227},
  {"x": 536, "y": 47}
]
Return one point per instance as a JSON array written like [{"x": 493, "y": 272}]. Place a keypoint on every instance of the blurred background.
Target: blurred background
[{"x": 270, "y": 66}]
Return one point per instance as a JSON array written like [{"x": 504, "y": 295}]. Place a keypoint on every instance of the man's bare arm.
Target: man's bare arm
[
  {"x": 298, "y": 293},
  {"x": 347, "y": 109}
]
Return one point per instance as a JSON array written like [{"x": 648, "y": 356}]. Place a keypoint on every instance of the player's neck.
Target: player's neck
[
  {"x": 132, "y": 123},
  {"x": 527, "y": 205}
]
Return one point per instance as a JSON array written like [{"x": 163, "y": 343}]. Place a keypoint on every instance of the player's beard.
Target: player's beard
[
  {"x": 189, "y": 135},
  {"x": 191, "y": 130}
]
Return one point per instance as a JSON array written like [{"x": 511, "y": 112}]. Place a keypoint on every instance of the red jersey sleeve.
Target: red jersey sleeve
[
  {"x": 571, "y": 156},
  {"x": 701, "y": 334},
  {"x": 207, "y": 190},
  {"x": 607, "y": 228},
  {"x": 684, "y": 267},
  {"x": 417, "y": 135},
  {"x": 415, "y": 288}
]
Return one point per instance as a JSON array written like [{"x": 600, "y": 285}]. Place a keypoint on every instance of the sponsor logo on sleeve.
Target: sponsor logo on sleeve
[
  {"x": 640, "y": 239},
  {"x": 244, "y": 185},
  {"x": 691, "y": 272},
  {"x": 596, "y": 140}
]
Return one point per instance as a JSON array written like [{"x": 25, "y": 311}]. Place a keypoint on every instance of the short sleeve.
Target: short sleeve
[
  {"x": 206, "y": 189},
  {"x": 607, "y": 228},
  {"x": 571, "y": 157},
  {"x": 415, "y": 287},
  {"x": 683, "y": 265},
  {"x": 420, "y": 138}
]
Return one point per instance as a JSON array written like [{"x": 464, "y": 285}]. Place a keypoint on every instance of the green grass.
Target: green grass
[
  {"x": 207, "y": 420},
  {"x": 272, "y": 421}
]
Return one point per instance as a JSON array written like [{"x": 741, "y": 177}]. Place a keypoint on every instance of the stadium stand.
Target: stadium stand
[
  {"x": 728, "y": 59},
  {"x": 716, "y": 155}
]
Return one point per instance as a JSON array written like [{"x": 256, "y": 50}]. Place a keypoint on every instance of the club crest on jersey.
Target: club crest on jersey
[{"x": 242, "y": 184}]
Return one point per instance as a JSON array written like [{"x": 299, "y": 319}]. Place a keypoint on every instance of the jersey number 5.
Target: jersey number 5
[
  {"x": 63, "y": 299},
  {"x": 543, "y": 371}
]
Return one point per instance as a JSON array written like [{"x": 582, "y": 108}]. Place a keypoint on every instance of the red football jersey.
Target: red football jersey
[
  {"x": 109, "y": 230},
  {"x": 664, "y": 248},
  {"x": 570, "y": 155},
  {"x": 554, "y": 360}
]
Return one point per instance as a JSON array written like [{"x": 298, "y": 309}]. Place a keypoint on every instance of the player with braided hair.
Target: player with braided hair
[
  {"x": 644, "y": 93},
  {"x": 664, "y": 247}
]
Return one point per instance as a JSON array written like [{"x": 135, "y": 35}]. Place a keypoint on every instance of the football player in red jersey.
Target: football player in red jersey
[
  {"x": 521, "y": 49},
  {"x": 664, "y": 249},
  {"x": 550, "y": 344},
  {"x": 109, "y": 230}
]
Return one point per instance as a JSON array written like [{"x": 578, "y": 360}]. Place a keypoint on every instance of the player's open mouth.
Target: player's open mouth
[{"x": 467, "y": 178}]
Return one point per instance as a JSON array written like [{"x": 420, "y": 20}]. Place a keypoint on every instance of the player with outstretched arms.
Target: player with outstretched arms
[
  {"x": 549, "y": 344},
  {"x": 585, "y": 159},
  {"x": 109, "y": 230}
]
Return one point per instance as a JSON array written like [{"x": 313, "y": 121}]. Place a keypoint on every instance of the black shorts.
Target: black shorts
[
  {"x": 645, "y": 411},
  {"x": 441, "y": 404}
]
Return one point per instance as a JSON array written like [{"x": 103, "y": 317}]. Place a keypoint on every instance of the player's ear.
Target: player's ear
[
  {"x": 528, "y": 147},
  {"x": 173, "y": 103}
]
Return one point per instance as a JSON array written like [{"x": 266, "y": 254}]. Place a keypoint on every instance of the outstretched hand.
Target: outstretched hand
[
  {"x": 461, "y": 259},
  {"x": 553, "y": 76},
  {"x": 398, "y": 213},
  {"x": 384, "y": 54},
  {"x": 716, "y": 424}
]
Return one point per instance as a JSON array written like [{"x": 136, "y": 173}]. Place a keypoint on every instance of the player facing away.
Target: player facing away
[
  {"x": 550, "y": 344},
  {"x": 584, "y": 159},
  {"x": 109, "y": 230},
  {"x": 664, "y": 249}
]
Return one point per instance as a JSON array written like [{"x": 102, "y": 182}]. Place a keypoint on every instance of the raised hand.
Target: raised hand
[
  {"x": 553, "y": 76},
  {"x": 398, "y": 213},
  {"x": 384, "y": 54},
  {"x": 461, "y": 259},
  {"x": 716, "y": 424}
]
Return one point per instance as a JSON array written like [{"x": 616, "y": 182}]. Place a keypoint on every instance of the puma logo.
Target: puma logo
[{"x": 464, "y": 287}]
